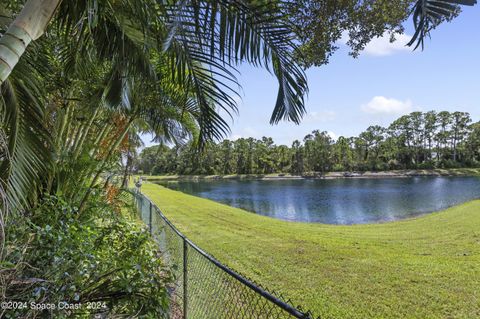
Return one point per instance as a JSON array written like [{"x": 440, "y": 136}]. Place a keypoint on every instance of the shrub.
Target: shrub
[
  {"x": 450, "y": 164},
  {"x": 338, "y": 168},
  {"x": 382, "y": 166},
  {"x": 102, "y": 258},
  {"x": 426, "y": 165},
  {"x": 394, "y": 164}
]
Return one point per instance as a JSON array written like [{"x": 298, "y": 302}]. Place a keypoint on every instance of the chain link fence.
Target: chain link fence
[{"x": 204, "y": 288}]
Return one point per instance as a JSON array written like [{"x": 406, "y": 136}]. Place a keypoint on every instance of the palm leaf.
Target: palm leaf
[
  {"x": 428, "y": 14},
  {"x": 28, "y": 139},
  {"x": 221, "y": 34},
  {"x": 204, "y": 41}
]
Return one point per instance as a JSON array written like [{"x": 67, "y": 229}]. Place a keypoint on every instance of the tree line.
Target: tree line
[{"x": 414, "y": 141}]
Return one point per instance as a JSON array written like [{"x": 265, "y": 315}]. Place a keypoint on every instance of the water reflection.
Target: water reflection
[{"x": 340, "y": 201}]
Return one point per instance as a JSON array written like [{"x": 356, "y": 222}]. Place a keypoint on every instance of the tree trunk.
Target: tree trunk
[
  {"x": 29, "y": 25},
  {"x": 79, "y": 144},
  {"x": 127, "y": 166}
]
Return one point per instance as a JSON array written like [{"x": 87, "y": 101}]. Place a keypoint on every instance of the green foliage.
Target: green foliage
[
  {"x": 105, "y": 72},
  {"x": 103, "y": 256},
  {"x": 25, "y": 156},
  {"x": 107, "y": 68},
  {"x": 320, "y": 24},
  {"x": 71, "y": 111},
  {"x": 418, "y": 140}
]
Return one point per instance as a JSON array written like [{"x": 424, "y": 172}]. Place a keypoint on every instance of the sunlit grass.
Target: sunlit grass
[{"x": 427, "y": 267}]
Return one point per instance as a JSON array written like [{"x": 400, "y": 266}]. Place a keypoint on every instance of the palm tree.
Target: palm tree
[
  {"x": 219, "y": 34},
  {"x": 27, "y": 27},
  {"x": 197, "y": 51},
  {"x": 91, "y": 132},
  {"x": 26, "y": 156}
]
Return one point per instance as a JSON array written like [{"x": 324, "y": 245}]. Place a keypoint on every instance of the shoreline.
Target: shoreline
[{"x": 465, "y": 172}]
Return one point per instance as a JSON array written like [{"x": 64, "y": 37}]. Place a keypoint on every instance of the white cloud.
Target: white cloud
[
  {"x": 383, "y": 105},
  {"x": 382, "y": 46},
  {"x": 319, "y": 117}
]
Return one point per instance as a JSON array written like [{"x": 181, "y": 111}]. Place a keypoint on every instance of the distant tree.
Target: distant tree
[
  {"x": 460, "y": 128},
  {"x": 418, "y": 135},
  {"x": 442, "y": 136},
  {"x": 265, "y": 161},
  {"x": 283, "y": 156},
  {"x": 343, "y": 155},
  {"x": 227, "y": 163},
  {"x": 150, "y": 157},
  {"x": 403, "y": 130},
  {"x": 370, "y": 140},
  {"x": 430, "y": 128},
  {"x": 242, "y": 156},
  {"x": 472, "y": 144},
  {"x": 297, "y": 158},
  {"x": 318, "y": 151}
]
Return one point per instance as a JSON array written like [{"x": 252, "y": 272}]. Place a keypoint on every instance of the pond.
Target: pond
[{"x": 338, "y": 201}]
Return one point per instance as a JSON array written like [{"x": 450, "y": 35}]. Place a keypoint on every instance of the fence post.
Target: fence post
[
  {"x": 150, "y": 218},
  {"x": 185, "y": 277}
]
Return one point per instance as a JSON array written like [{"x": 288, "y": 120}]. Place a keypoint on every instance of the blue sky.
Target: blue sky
[{"x": 386, "y": 81}]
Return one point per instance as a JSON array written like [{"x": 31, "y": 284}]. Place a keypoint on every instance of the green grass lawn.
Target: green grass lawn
[{"x": 427, "y": 267}]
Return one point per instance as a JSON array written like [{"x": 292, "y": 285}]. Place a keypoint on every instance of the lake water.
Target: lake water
[{"x": 338, "y": 201}]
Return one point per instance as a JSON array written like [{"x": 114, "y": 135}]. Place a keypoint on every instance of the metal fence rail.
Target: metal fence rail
[{"x": 204, "y": 287}]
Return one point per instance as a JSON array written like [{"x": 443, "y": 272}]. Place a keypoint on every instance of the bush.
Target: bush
[
  {"x": 394, "y": 164},
  {"x": 450, "y": 164},
  {"x": 102, "y": 258},
  {"x": 382, "y": 166},
  {"x": 426, "y": 165},
  {"x": 338, "y": 168},
  {"x": 361, "y": 167}
]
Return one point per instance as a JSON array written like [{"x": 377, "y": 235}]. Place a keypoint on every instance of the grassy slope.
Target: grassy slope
[{"x": 427, "y": 267}]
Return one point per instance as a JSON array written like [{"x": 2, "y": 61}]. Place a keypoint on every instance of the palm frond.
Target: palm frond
[
  {"x": 220, "y": 34},
  {"x": 428, "y": 14},
  {"x": 103, "y": 33},
  {"x": 204, "y": 42},
  {"x": 169, "y": 112},
  {"x": 28, "y": 138}
]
